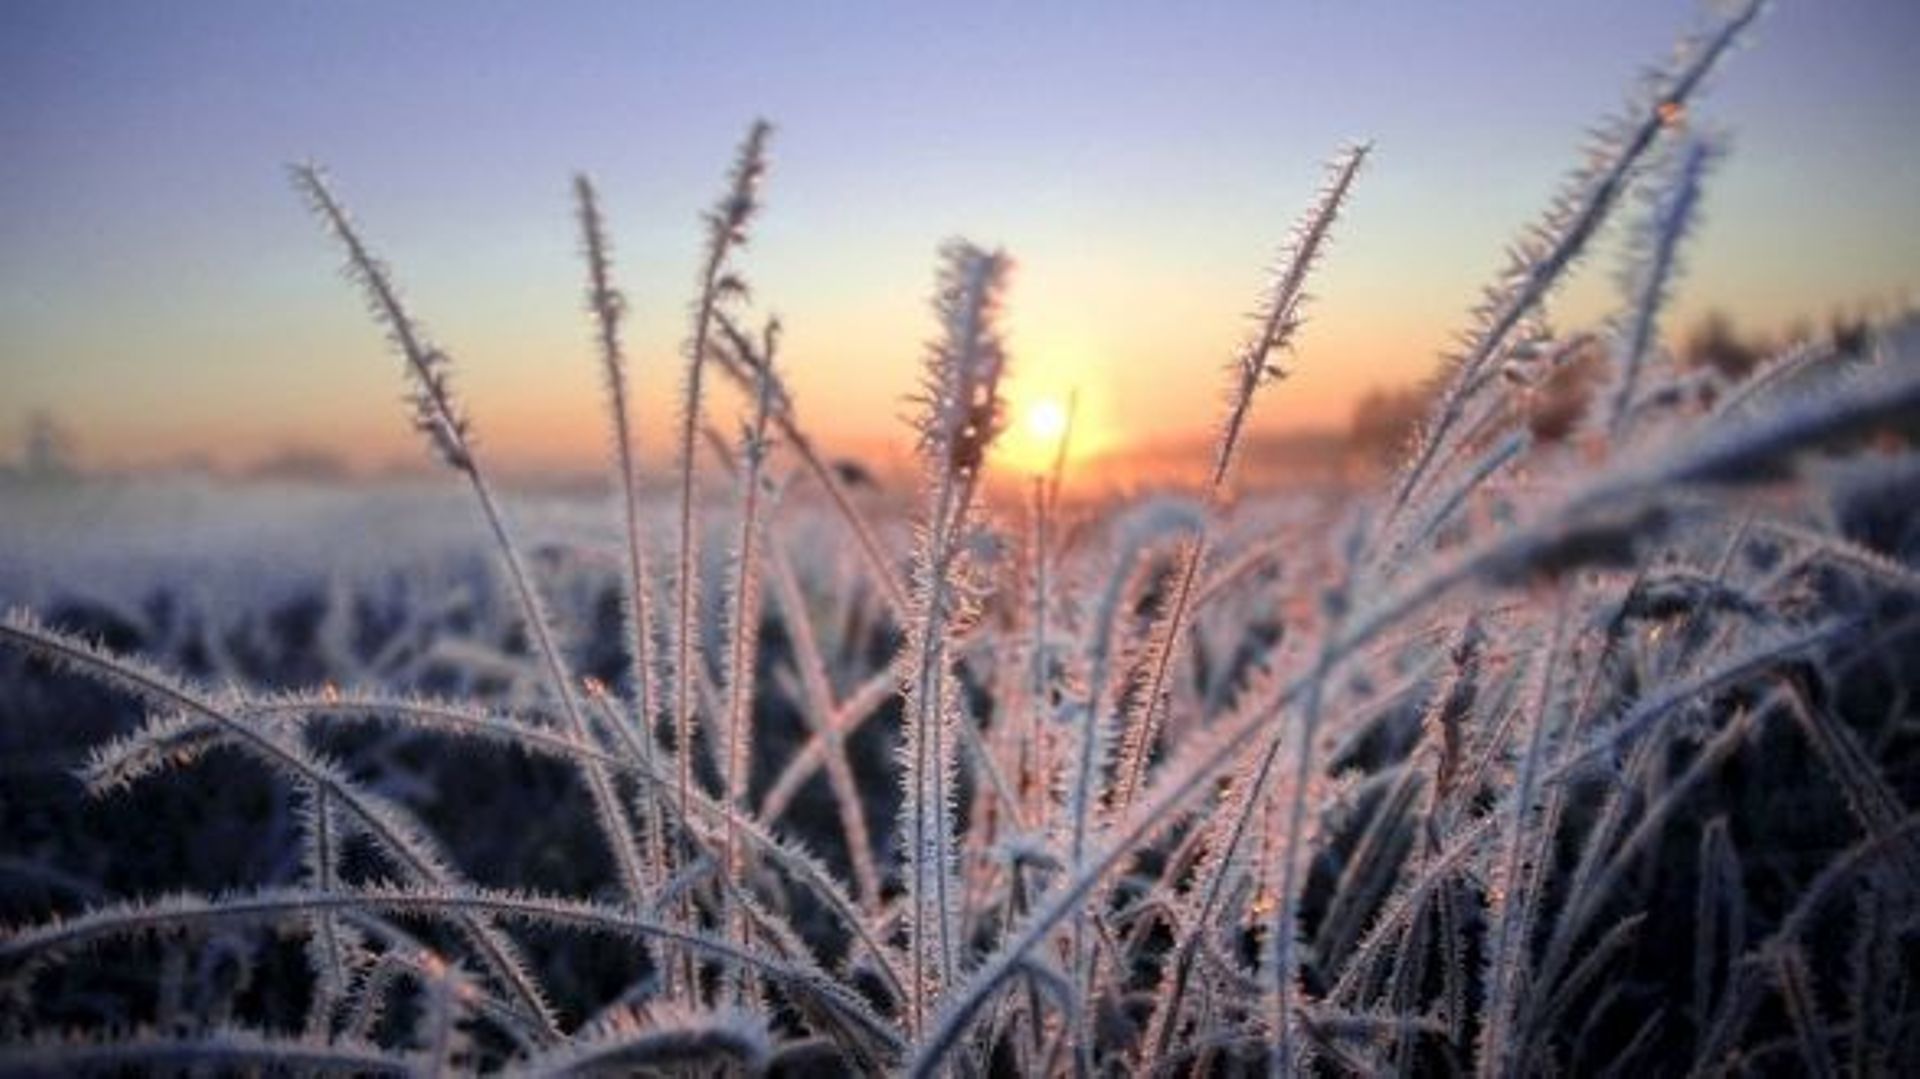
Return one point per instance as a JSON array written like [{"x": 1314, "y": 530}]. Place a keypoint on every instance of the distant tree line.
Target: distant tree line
[{"x": 1384, "y": 420}]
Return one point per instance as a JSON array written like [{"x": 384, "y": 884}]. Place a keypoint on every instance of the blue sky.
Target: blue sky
[{"x": 165, "y": 293}]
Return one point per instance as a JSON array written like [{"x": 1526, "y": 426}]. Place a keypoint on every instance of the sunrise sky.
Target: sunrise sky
[{"x": 165, "y": 294}]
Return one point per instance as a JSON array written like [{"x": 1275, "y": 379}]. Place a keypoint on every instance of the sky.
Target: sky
[{"x": 165, "y": 294}]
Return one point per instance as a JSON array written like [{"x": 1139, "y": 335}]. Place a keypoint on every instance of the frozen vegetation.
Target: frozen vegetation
[{"x": 1571, "y": 751}]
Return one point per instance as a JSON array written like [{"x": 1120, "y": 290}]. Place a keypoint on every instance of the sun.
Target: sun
[
  {"x": 1046, "y": 419},
  {"x": 1039, "y": 423}
]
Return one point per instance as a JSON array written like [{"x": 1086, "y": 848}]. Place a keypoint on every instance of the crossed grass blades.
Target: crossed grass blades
[{"x": 1566, "y": 754}]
